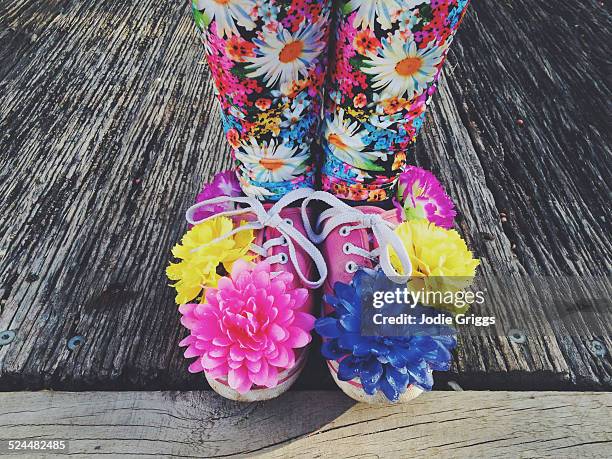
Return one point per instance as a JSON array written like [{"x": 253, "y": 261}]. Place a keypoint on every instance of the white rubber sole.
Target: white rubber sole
[
  {"x": 354, "y": 389},
  {"x": 286, "y": 379}
]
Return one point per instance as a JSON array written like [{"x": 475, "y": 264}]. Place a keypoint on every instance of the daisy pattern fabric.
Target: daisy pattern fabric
[
  {"x": 268, "y": 62},
  {"x": 388, "y": 58}
]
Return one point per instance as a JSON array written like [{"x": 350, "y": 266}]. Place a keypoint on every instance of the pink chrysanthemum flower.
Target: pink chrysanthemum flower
[
  {"x": 421, "y": 195},
  {"x": 223, "y": 184},
  {"x": 248, "y": 328}
]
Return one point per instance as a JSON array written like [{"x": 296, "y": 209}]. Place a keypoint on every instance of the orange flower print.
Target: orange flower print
[
  {"x": 393, "y": 105},
  {"x": 416, "y": 109},
  {"x": 263, "y": 104},
  {"x": 365, "y": 42},
  {"x": 237, "y": 49},
  {"x": 339, "y": 189},
  {"x": 377, "y": 195},
  {"x": 358, "y": 192},
  {"x": 233, "y": 138},
  {"x": 360, "y": 100},
  {"x": 399, "y": 161}
]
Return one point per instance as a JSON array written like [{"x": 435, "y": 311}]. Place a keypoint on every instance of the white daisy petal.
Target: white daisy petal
[
  {"x": 283, "y": 57},
  {"x": 402, "y": 69},
  {"x": 272, "y": 163},
  {"x": 227, "y": 13},
  {"x": 345, "y": 142},
  {"x": 371, "y": 11}
]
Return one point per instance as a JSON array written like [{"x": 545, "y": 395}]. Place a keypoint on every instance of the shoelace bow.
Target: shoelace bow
[
  {"x": 271, "y": 219},
  {"x": 350, "y": 218}
]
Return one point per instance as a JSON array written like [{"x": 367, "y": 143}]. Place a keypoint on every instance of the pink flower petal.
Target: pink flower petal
[
  {"x": 282, "y": 301},
  {"x": 277, "y": 332},
  {"x": 187, "y": 341},
  {"x": 298, "y": 337},
  {"x": 260, "y": 377},
  {"x": 224, "y": 283},
  {"x": 238, "y": 379},
  {"x": 291, "y": 362},
  {"x": 236, "y": 353},
  {"x": 209, "y": 362},
  {"x": 282, "y": 358},
  {"x": 299, "y": 297},
  {"x": 254, "y": 367},
  {"x": 218, "y": 352},
  {"x": 303, "y": 320},
  {"x": 186, "y": 308},
  {"x": 234, "y": 364},
  {"x": 191, "y": 351},
  {"x": 207, "y": 327},
  {"x": 219, "y": 372},
  {"x": 249, "y": 291},
  {"x": 221, "y": 341},
  {"x": 277, "y": 287},
  {"x": 251, "y": 355},
  {"x": 204, "y": 345},
  {"x": 272, "y": 379},
  {"x": 239, "y": 267},
  {"x": 196, "y": 367},
  {"x": 285, "y": 316},
  {"x": 261, "y": 280}
]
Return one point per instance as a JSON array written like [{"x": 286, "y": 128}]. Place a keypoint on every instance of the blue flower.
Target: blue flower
[
  {"x": 229, "y": 121},
  {"x": 417, "y": 123},
  {"x": 294, "y": 134},
  {"x": 455, "y": 14},
  {"x": 386, "y": 363}
]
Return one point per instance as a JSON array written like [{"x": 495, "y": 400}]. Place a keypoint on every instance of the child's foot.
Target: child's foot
[
  {"x": 250, "y": 325},
  {"x": 356, "y": 241}
]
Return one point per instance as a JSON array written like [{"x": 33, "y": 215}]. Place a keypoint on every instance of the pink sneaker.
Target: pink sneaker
[
  {"x": 251, "y": 332},
  {"x": 356, "y": 239}
]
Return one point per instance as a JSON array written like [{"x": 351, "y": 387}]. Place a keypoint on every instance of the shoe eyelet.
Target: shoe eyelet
[
  {"x": 283, "y": 258},
  {"x": 344, "y": 231},
  {"x": 346, "y": 248},
  {"x": 288, "y": 221},
  {"x": 284, "y": 243},
  {"x": 351, "y": 267}
]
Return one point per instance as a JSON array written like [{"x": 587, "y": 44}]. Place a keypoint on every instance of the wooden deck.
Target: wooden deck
[
  {"x": 108, "y": 129},
  {"x": 200, "y": 424}
]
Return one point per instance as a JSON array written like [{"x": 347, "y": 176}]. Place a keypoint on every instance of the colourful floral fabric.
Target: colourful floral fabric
[
  {"x": 268, "y": 62},
  {"x": 389, "y": 55},
  {"x": 268, "y": 59}
]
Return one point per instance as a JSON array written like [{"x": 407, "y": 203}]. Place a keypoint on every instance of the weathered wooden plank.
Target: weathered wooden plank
[
  {"x": 108, "y": 128},
  {"x": 512, "y": 136},
  {"x": 108, "y": 149},
  {"x": 314, "y": 424}
]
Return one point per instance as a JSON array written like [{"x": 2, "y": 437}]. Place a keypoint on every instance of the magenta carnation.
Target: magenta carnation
[
  {"x": 421, "y": 195},
  {"x": 248, "y": 328},
  {"x": 223, "y": 184}
]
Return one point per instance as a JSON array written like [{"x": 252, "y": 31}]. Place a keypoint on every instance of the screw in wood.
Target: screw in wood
[
  {"x": 598, "y": 348},
  {"x": 6, "y": 337},
  {"x": 75, "y": 342},
  {"x": 517, "y": 336}
]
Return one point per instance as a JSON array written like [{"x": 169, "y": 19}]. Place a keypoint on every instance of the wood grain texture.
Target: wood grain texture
[
  {"x": 314, "y": 424},
  {"x": 108, "y": 129}
]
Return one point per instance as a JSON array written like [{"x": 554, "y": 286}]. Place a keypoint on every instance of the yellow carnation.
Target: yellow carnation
[
  {"x": 200, "y": 258},
  {"x": 441, "y": 261}
]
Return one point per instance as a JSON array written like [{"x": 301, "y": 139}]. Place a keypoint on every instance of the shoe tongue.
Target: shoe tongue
[
  {"x": 388, "y": 215},
  {"x": 370, "y": 209}
]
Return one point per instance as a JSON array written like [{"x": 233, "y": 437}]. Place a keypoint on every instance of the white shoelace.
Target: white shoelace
[
  {"x": 290, "y": 236},
  {"x": 349, "y": 218}
]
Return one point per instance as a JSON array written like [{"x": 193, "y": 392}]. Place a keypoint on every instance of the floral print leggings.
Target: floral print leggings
[{"x": 278, "y": 95}]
